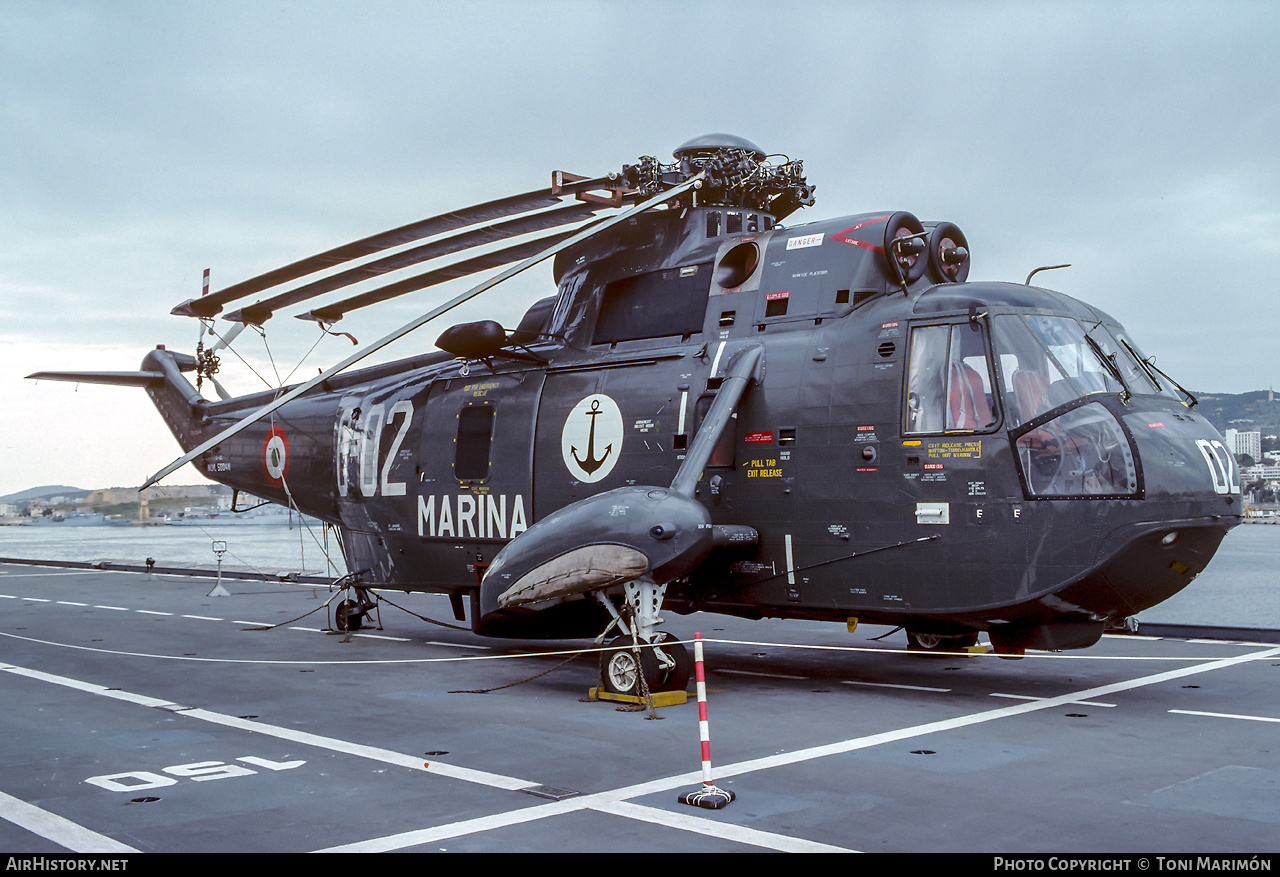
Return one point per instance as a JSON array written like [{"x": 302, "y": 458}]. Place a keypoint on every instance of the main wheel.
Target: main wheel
[
  {"x": 620, "y": 672},
  {"x": 675, "y": 678}
]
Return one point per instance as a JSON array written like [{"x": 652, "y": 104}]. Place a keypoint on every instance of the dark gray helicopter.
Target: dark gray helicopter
[{"x": 719, "y": 413}]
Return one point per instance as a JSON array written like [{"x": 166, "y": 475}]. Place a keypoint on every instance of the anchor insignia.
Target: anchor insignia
[
  {"x": 592, "y": 447},
  {"x": 591, "y": 463}
]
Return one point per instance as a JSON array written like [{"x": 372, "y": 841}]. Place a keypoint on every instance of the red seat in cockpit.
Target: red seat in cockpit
[
  {"x": 967, "y": 405},
  {"x": 1032, "y": 391}
]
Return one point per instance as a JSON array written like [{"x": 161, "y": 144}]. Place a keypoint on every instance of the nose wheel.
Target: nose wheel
[{"x": 936, "y": 642}]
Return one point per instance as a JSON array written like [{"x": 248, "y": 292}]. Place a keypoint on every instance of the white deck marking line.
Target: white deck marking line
[
  {"x": 386, "y": 756},
  {"x": 333, "y": 744},
  {"x": 606, "y": 800},
  {"x": 436, "y": 833},
  {"x": 309, "y": 662},
  {"x": 53, "y": 827},
  {"x": 725, "y": 830},
  {"x": 471, "y": 826},
  {"x": 602, "y": 802},
  {"x": 724, "y": 771},
  {"x": 725, "y": 672},
  {"x": 381, "y": 636},
  {"x": 1226, "y": 716},
  {"x": 895, "y": 685},
  {"x": 1029, "y": 697}
]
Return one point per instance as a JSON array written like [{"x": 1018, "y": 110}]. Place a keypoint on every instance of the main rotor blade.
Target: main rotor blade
[
  {"x": 238, "y": 426},
  {"x": 259, "y": 312},
  {"x": 209, "y": 305},
  {"x": 333, "y": 312}
]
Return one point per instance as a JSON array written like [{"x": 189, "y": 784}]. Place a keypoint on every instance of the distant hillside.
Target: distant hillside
[
  {"x": 1256, "y": 411},
  {"x": 109, "y": 495},
  {"x": 72, "y": 493}
]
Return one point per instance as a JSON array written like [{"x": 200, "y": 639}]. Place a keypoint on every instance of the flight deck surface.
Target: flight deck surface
[{"x": 142, "y": 714}]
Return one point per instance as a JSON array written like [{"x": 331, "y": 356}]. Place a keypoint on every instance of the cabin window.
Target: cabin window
[
  {"x": 475, "y": 435},
  {"x": 668, "y": 302},
  {"x": 949, "y": 385}
]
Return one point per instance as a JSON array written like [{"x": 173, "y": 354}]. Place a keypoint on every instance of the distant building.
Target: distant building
[
  {"x": 1241, "y": 442},
  {"x": 1266, "y": 473}
]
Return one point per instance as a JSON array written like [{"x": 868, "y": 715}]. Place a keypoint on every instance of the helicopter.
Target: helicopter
[{"x": 717, "y": 412}]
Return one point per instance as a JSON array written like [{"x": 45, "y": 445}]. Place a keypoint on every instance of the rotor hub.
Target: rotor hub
[{"x": 737, "y": 173}]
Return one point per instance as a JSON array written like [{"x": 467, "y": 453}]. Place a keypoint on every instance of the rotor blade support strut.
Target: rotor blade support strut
[{"x": 742, "y": 371}]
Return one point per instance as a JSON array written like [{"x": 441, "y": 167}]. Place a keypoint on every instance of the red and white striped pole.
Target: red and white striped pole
[{"x": 708, "y": 796}]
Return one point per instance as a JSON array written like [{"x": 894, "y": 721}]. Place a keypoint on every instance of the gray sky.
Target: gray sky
[{"x": 141, "y": 142}]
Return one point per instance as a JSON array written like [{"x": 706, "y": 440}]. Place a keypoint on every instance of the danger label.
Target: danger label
[{"x": 808, "y": 240}]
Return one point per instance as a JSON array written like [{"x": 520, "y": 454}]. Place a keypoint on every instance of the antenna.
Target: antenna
[{"x": 1027, "y": 282}]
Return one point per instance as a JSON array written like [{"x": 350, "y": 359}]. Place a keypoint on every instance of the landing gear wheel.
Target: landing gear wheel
[
  {"x": 347, "y": 616},
  {"x": 675, "y": 678},
  {"x": 619, "y": 672},
  {"x": 939, "y": 642}
]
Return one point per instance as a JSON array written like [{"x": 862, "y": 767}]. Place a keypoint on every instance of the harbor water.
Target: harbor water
[
  {"x": 1240, "y": 588},
  {"x": 267, "y": 543}
]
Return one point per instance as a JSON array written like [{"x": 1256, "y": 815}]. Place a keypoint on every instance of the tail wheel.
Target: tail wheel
[{"x": 347, "y": 616}]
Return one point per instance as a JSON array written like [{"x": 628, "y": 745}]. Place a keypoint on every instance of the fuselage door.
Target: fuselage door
[{"x": 476, "y": 458}]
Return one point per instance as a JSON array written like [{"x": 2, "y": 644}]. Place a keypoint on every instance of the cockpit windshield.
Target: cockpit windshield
[
  {"x": 1153, "y": 376},
  {"x": 1048, "y": 360}
]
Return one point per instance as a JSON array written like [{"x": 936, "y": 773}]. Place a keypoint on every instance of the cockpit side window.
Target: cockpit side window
[
  {"x": 1049, "y": 360},
  {"x": 1034, "y": 380},
  {"x": 949, "y": 386},
  {"x": 1070, "y": 349}
]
